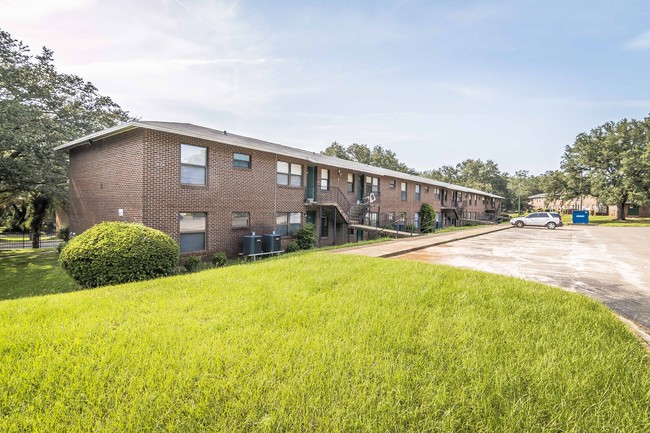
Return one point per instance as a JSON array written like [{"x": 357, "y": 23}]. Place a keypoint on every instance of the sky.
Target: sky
[{"x": 436, "y": 82}]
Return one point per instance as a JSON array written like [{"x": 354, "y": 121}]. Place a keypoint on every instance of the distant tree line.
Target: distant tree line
[
  {"x": 611, "y": 162},
  {"x": 472, "y": 173}
]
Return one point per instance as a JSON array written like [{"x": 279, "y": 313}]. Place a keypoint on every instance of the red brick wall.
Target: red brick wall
[
  {"x": 139, "y": 172},
  {"x": 104, "y": 177},
  {"x": 228, "y": 190}
]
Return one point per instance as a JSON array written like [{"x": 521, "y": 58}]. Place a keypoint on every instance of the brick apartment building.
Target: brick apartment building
[
  {"x": 586, "y": 202},
  {"x": 208, "y": 188},
  {"x": 589, "y": 203}
]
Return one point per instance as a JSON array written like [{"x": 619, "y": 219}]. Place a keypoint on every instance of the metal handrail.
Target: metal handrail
[{"x": 333, "y": 195}]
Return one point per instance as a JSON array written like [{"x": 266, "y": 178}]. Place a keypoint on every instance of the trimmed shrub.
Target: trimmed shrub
[
  {"x": 117, "y": 252},
  {"x": 428, "y": 218},
  {"x": 305, "y": 237},
  {"x": 292, "y": 247},
  {"x": 219, "y": 260},
  {"x": 192, "y": 263}
]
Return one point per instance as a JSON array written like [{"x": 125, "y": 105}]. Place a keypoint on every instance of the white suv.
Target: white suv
[{"x": 539, "y": 219}]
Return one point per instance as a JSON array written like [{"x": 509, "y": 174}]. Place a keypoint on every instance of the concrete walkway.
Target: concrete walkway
[{"x": 403, "y": 246}]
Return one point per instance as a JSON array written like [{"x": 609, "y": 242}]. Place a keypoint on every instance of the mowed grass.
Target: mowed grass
[
  {"x": 628, "y": 222},
  {"x": 28, "y": 272},
  {"x": 321, "y": 343}
]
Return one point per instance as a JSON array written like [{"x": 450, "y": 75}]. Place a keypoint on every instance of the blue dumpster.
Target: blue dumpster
[{"x": 580, "y": 217}]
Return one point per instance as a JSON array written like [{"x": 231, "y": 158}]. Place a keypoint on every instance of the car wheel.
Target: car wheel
[
  {"x": 519, "y": 224},
  {"x": 551, "y": 225}
]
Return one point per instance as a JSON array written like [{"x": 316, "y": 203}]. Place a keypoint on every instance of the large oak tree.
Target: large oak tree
[
  {"x": 41, "y": 108},
  {"x": 612, "y": 162}
]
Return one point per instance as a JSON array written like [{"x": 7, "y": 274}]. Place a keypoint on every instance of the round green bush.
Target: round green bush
[
  {"x": 116, "y": 252},
  {"x": 192, "y": 263},
  {"x": 219, "y": 259},
  {"x": 292, "y": 247}
]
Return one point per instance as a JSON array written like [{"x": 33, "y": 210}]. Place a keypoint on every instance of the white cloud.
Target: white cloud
[
  {"x": 34, "y": 10},
  {"x": 639, "y": 43}
]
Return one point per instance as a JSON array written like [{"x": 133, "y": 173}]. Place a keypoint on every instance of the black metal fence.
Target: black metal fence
[{"x": 17, "y": 240}]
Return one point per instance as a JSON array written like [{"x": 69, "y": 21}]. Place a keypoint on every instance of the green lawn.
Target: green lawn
[
  {"x": 32, "y": 273},
  {"x": 610, "y": 221},
  {"x": 325, "y": 343}
]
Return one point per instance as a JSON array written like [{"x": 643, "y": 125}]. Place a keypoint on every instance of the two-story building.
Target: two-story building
[{"x": 209, "y": 188}]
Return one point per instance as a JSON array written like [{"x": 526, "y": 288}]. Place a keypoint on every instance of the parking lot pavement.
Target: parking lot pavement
[{"x": 610, "y": 264}]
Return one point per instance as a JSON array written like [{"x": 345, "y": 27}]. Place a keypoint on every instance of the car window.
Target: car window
[
  {"x": 532, "y": 215},
  {"x": 555, "y": 215}
]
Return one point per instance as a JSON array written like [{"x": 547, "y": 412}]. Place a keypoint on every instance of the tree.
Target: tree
[
  {"x": 520, "y": 186},
  {"x": 428, "y": 218},
  {"x": 612, "y": 162},
  {"x": 473, "y": 173},
  {"x": 41, "y": 108},
  {"x": 377, "y": 156},
  {"x": 336, "y": 150},
  {"x": 554, "y": 184}
]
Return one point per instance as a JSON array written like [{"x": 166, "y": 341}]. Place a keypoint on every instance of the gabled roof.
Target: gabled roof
[{"x": 224, "y": 137}]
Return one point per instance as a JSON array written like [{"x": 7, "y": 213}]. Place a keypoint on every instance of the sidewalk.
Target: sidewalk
[{"x": 403, "y": 246}]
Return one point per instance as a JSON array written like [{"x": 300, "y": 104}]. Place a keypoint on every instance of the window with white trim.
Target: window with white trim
[
  {"x": 241, "y": 160},
  {"x": 287, "y": 223},
  {"x": 324, "y": 179},
  {"x": 350, "y": 182},
  {"x": 241, "y": 220},
  {"x": 289, "y": 174},
  {"x": 192, "y": 231},
  {"x": 372, "y": 184},
  {"x": 417, "y": 193},
  {"x": 194, "y": 161},
  {"x": 402, "y": 188}
]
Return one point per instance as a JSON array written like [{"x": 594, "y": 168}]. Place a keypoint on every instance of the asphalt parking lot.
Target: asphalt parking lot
[{"x": 610, "y": 264}]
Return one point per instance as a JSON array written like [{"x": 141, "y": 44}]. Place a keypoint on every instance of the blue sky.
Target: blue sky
[{"x": 437, "y": 82}]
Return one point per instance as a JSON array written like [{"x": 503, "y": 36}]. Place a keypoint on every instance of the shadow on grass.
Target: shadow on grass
[{"x": 28, "y": 273}]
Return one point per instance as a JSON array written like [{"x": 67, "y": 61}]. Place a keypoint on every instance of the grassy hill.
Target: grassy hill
[{"x": 321, "y": 342}]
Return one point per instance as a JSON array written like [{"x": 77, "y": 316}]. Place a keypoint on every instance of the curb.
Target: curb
[{"x": 469, "y": 235}]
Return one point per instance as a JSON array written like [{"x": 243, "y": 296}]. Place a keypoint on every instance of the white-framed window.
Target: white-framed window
[
  {"x": 324, "y": 179},
  {"x": 391, "y": 216},
  {"x": 436, "y": 193},
  {"x": 192, "y": 231},
  {"x": 241, "y": 160},
  {"x": 372, "y": 184},
  {"x": 287, "y": 223},
  {"x": 417, "y": 193},
  {"x": 194, "y": 161},
  {"x": 289, "y": 174},
  {"x": 417, "y": 220},
  {"x": 402, "y": 187},
  {"x": 392, "y": 184},
  {"x": 372, "y": 218},
  {"x": 241, "y": 220},
  {"x": 350, "y": 182}
]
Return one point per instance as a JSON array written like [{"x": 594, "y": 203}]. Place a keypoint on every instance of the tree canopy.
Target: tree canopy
[
  {"x": 41, "y": 108},
  {"x": 473, "y": 173},
  {"x": 377, "y": 156},
  {"x": 612, "y": 162}
]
